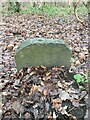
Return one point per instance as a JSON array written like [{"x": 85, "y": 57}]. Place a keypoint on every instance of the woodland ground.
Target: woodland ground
[{"x": 28, "y": 87}]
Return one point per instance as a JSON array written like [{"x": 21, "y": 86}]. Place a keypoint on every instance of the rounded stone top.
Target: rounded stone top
[{"x": 40, "y": 41}]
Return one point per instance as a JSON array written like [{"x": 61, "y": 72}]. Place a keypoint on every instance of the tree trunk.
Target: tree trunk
[{"x": 17, "y": 5}]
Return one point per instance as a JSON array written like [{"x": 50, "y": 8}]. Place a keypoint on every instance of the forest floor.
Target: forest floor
[{"x": 41, "y": 92}]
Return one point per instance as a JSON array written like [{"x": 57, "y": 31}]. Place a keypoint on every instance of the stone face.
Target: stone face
[{"x": 42, "y": 51}]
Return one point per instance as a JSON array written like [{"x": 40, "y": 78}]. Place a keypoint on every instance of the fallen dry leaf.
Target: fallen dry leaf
[
  {"x": 47, "y": 74},
  {"x": 57, "y": 103}
]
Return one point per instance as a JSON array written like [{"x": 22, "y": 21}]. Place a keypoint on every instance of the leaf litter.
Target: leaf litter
[
  {"x": 41, "y": 98},
  {"x": 41, "y": 92}
]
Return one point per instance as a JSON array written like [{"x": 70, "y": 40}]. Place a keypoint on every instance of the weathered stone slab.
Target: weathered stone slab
[{"x": 42, "y": 51}]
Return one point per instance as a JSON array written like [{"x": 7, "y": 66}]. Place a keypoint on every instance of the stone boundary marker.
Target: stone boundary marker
[{"x": 42, "y": 51}]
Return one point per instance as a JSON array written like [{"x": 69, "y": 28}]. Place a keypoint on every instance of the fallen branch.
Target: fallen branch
[{"x": 75, "y": 4}]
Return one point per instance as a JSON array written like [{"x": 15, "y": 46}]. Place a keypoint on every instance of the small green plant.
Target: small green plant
[{"x": 80, "y": 78}]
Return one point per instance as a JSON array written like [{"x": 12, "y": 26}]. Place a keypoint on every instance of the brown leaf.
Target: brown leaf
[
  {"x": 32, "y": 73},
  {"x": 35, "y": 88},
  {"x": 57, "y": 103},
  {"x": 37, "y": 67},
  {"x": 81, "y": 56},
  {"x": 77, "y": 63},
  {"x": 45, "y": 92},
  {"x": 10, "y": 46},
  {"x": 47, "y": 74},
  {"x": 43, "y": 67}
]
